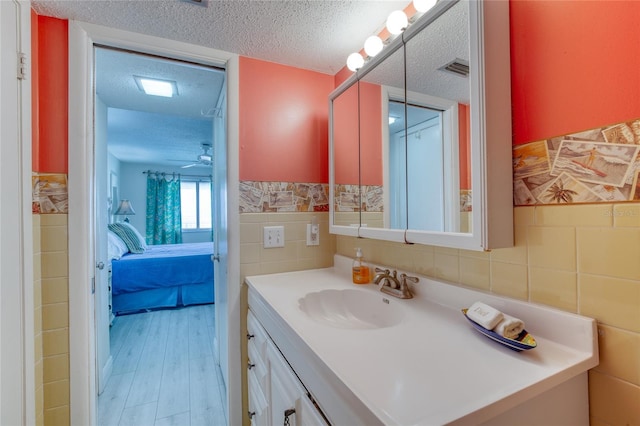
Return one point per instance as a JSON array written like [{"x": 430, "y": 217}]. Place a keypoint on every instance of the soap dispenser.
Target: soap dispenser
[{"x": 360, "y": 269}]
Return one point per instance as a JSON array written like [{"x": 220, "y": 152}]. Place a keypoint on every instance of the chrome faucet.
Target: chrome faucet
[{"x": 391, "y": 285}]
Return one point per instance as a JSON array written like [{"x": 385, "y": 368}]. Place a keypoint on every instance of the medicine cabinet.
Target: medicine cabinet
[{"x": 420, "y": 136}]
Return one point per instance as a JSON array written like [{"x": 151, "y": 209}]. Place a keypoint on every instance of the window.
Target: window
[{"x": 195, "y": 203}]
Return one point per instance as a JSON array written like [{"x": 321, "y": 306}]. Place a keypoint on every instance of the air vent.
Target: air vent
[
  {"x": 203, "y": 3},
  {"x": 457, "y": 66}
]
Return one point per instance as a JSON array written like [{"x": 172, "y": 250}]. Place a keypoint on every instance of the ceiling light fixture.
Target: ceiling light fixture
[{"x": 157, "y": 87}]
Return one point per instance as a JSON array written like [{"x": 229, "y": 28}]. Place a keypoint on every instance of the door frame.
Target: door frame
[
  {"x": 17, "y": 298},
  {"x": 82, "y": 37}
]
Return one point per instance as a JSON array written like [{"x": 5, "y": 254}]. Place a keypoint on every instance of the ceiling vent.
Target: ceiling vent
[
  {"x": 203, "y": 3},
  {"x": 457, "y": 66}
]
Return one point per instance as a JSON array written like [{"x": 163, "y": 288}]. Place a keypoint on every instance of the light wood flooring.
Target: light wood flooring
[{"x": 164, "y": 371}]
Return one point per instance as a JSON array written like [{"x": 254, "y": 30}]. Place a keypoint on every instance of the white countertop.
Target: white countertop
[{"x": 433, "y": 367}]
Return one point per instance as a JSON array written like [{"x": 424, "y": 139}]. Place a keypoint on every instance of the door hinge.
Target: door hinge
[
  {"x": 22, "y": 66},
  {"x": 93, "y": 285}
]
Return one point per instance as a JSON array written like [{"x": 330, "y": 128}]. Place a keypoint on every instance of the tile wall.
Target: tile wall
[
  {"x": 52, "y": 248},
  {"x": 37, "y": 322},
  {"x": 578, "y": 258},
  {"x": 295, "y": 255}
]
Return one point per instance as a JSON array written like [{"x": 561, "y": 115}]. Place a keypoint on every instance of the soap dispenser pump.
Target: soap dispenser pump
[{"x": 360, "y": 271}]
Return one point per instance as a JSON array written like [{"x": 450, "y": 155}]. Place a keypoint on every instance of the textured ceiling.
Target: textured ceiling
[{"x": 312, "y": 34}]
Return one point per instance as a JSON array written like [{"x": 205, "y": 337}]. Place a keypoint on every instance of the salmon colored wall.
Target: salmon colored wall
[
  {"x": 370, "y": 134},
  {"x": 566, "y": 77},
  {"x": 283, "y": 123},
  {"x": 345, "y": 137},
  {"x": 50, "y": 94}
]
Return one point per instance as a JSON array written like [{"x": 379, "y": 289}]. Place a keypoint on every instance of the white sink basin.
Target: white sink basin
[{"x": 350, "y": 308}]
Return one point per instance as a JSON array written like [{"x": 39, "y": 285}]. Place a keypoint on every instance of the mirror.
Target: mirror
[
  {"x": 387, "y": 77},
  {"x": 344, "y": 159},
  {"x": 451, "y": 136},
  {"x": 438, "y": 99}
]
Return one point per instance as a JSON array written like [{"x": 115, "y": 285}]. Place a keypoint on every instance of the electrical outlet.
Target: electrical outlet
[
  {"x": 313, "y": 234},
  {"x": 273, "y": 236}
]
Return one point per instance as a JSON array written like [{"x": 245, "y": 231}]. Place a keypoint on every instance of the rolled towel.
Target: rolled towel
[
  {"x": 484, "y": 315},
  {"x": 509, "y": 327}
]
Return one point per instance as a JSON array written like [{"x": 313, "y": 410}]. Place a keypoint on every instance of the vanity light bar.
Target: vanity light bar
[{"x": 396, "y": 23}]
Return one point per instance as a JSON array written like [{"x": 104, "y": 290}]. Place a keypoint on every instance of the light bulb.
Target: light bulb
[
  {"x": 424, "y": 5},
  {"x": 355, "y": 61},
  {"x": 373, "y": 45},
  {"x": 397, "y": 22}
]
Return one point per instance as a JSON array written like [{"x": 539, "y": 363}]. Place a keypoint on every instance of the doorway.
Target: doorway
[
  {"x": 82, "y": 206},
  {"x": 154, "y": 151}
]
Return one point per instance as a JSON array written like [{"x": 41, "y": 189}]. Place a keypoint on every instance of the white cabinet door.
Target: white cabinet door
[
  {"x": 276, "y": 395},
  {"x": 284, "y": 391},
  {"x": 290, "y": 403}
]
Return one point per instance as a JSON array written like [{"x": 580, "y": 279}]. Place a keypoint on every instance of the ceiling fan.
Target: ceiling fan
[{"x": 203, "y": 159}]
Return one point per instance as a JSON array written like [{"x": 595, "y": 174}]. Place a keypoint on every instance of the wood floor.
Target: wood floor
[{"x": 164, "y": 372}]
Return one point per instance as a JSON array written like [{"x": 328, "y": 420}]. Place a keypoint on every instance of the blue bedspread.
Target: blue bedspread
[{"x": 162, "y": 266}]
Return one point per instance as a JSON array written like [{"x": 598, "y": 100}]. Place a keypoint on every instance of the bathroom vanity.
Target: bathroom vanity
[{"x": 325, "y": 351}]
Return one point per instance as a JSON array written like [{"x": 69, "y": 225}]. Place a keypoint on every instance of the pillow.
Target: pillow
[
  {"x": 141, "y": 240},
  {"x": 128, "y": 236},
  {"x": 116, "y": 248}
]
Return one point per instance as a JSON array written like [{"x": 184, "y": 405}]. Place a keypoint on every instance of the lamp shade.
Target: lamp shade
[{"x": 124, "y": 208}]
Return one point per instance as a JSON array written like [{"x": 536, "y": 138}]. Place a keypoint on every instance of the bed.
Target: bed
[{"x": 162, "y": 276}]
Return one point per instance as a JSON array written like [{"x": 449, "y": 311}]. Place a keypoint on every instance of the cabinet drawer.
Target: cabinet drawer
[
  {"x": 258, "y": 366},
  {"x": 256, "y": 334},
  {"x": 258, "y": 404}
]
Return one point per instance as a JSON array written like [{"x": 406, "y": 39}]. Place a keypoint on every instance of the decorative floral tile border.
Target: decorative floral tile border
[
  {"x": 265, "y": 197},
  {"x": 346, "y": 199},
  {"x": 595, "y": 166},
  {"x": 49, "y": 194}
]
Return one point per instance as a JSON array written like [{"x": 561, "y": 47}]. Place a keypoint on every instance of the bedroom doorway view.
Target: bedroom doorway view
[{"x": 159, "y": 130}]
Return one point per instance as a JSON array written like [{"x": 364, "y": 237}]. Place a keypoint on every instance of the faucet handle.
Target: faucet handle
[
  {"x": 384, "y": 271},
  {"x": 404, "y": 278}
]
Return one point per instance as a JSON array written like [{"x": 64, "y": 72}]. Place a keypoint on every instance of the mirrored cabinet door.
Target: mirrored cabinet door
[
  {"x": 434, "y": 134},
  {"x": 345, "y": 136},
  {"x": 437, "y": 128},
  {"x": 377, "y": 110}
]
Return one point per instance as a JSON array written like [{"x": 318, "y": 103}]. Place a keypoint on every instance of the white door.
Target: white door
[
  {"x": 101, "y": 292},
  {"x": 17, "y": 394},
  {"x": 220, "y": 242}
]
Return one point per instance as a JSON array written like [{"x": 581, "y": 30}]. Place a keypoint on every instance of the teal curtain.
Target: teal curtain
[{"x": 164, "y": 222}]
